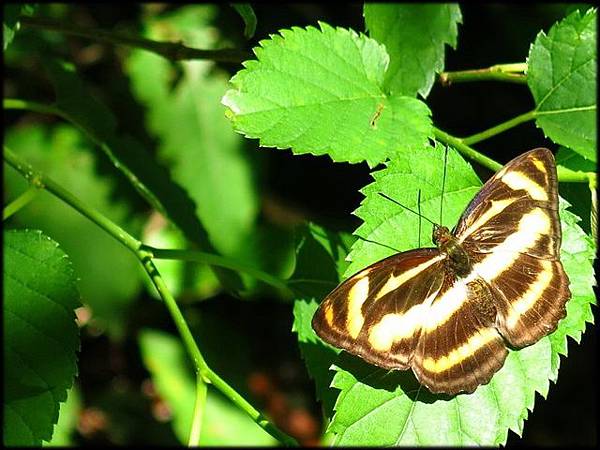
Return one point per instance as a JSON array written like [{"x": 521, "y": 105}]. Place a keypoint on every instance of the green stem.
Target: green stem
[
  {"x": 145, "y": 257},
  {"x": 201, "y": 388},
  {"x": 473, "y": 139},
  {"x": 564, "y": 175},
  {"x": 40, "y": 180},
  {"x": 221, "y": 261},
  {"x": 512, "y": 73},
  {"x": 21, "y": 201},
  {"x": 465, "y": 150},
  {"x": 168, "y": 50},
  {"x": 95, "y": 138}
]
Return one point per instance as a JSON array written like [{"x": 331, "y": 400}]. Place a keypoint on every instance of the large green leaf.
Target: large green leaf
[
  {"x": 414, "y": 36},
  {"x": 110, "y": 276},
  {"x": 40, "y": 335},
  {"x": 223, "y": 423},
  {"x": 377, "y": 407},
  {"x": 562, "y": 70},
  {"x": 205, "y": 156},
  {"x": 322, "y": 92},
  {"x": 126, "y": 153}
]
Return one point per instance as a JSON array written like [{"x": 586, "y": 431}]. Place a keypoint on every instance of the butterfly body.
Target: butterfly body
[{"x": 450, "y": 312}]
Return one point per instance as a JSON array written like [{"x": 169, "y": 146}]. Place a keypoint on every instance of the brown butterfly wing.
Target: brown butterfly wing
[
  {"x": 511, "y": 230},
  {"x": 459, "y": 348},
  {"x": 376, "y": 314}
]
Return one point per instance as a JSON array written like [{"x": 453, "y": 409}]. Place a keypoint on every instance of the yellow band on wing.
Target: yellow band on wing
[
  {"x": 461, "y": 353},
  {"x": 518, "y": 180},
  {"x": 528, "y": 299}
]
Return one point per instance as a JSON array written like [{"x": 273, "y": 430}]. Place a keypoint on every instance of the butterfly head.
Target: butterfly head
[{"x": 441, "y": 235}]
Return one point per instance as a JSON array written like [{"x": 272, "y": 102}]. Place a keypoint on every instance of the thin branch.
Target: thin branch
[
  {"x": 21, "y": 201},
  {"x": 564, "y": 174},
  {"x": 221, "y": 261},
  {"x": 473, "y": 139},
  {"x": 512, "y": 73},
  {"x": 173, "y": 51},
  {"x": 145, "y": 257}
]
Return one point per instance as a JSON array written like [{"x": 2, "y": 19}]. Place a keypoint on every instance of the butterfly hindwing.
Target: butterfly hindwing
[
  {"x": 461, "y": 349},
  {"x": 376, "y": 313}
]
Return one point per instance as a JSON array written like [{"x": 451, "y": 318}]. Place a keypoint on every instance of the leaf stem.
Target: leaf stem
[
  {"x": 199, "y": 406},
  {"x": 465, "y": 150},
  {"x": 512, "y": 73},
  {"x": 221, "y": 261},
  {"x": 169, "y": 50},
  {"x": 486, "y": 134},
  {"x": 21, "y": 201},
  {"x": 145, "y": 256},
  {"x": 564, "y": 174}
]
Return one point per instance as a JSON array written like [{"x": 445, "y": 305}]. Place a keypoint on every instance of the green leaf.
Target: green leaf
[
  {"x": 247, "y": 13},
  {"x": 223, "y": 423},
  {"x": 579, "y": 195},
  {"x": 320, "y": 261},
  {"x": 110, "y": 276},
  {"x": 41, "y": 338},
  {"x": 205, "y": 156},
  {"x": 68, "y": 419},
  {"x": 321, "y": 92},
  {"x": 562, "y": 78},
  {"x": 414, "y": 36},
  {"x": 386, "y": 223},
  {"x": 378, "y": 407}
]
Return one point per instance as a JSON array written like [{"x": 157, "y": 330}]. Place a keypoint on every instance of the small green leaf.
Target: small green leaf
[
  {"x": 561, "y": 75},
  {"x": 414, "y": 36},
  {"x": 579, "y": 195},
  {"x": 223, "y": 423},
  {"x": 320, "y": 261},
  {"x": 41, "y": 338},
  {"x": 378, "y": 407},
  {"x": 321, "y": 92},
  {"x": 247, "y": 14}
]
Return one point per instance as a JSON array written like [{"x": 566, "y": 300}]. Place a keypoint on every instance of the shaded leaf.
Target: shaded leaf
[
  {"x": 321, "y": 92},
  {"x": 414, "y": 36},
  {"x": 320, "y": 261},
  {"x": 205, "y": 156},
  {"x": 40, "y": 335},
  {"x": 110, "y": 276}
]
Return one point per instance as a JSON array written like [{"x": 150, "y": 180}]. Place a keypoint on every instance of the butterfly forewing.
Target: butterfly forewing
[
  {"x": 513, "y": 237},
  {"x": 449, "y": 313}
]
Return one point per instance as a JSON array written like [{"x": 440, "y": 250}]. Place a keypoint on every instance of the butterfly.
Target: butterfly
[{"x": 450, "y": 313}]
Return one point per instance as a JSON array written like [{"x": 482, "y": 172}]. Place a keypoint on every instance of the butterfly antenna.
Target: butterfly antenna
[
  {"x": 443, "y": 185},
  {"x": 419, "y": 211},
  {"x": 378, "y": 243},
  {"x": 405, "y": 207}
]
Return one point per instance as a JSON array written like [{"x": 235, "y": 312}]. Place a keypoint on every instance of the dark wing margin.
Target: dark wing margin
[{"x": 376, "y": 313}]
